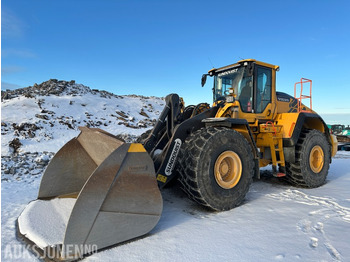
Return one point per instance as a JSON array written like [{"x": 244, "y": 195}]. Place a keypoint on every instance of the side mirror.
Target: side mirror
[{"x": 204, "y": 79}]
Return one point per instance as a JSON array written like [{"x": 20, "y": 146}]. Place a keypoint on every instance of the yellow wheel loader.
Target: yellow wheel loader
[{"x": 214, "y": 151}]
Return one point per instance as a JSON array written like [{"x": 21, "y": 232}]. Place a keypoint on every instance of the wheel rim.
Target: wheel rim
[
  {"x": 316, "y": 159},
  {"x": 228, "y": 169}
]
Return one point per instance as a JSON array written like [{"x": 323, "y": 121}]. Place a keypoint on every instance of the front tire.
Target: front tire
[
  {"x": 313, "y": 156},
  {"x": 216, "y": 167}
]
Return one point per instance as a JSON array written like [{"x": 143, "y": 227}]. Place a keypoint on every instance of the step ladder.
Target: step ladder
[{"x": 276, "y": 147}]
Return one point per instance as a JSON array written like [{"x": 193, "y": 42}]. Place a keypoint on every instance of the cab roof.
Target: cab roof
[{"x": 275, "y": 67}]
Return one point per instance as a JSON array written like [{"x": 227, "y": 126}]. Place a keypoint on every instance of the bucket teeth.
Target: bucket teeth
[{"x": 115, "y": 187}]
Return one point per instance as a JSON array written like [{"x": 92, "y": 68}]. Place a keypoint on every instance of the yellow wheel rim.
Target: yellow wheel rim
[
  {"x": 228, "y": 169},
  {"x": 316, "y": 159}
]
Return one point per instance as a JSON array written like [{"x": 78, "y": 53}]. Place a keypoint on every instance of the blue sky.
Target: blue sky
[{"x": 161, "y": 47}]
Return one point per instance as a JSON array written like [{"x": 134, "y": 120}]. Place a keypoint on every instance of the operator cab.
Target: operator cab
[{"x": 249, "y": 82}]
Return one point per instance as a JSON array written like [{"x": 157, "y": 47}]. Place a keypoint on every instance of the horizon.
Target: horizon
[{"x": 329, "y": 118}]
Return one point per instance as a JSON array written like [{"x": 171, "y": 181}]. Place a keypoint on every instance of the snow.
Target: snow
[
  {"x": 44, "y": 158},
  {"x": 276, "y": 221},
  {"x": 80, "y": 110},
  {"x": 45, "y": 221}
]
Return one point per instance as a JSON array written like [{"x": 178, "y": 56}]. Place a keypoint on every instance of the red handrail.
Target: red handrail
[{"x": 303, "y": 81}]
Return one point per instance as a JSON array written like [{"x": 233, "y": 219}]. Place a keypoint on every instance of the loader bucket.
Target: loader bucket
[{"x": 96, "y": 192}]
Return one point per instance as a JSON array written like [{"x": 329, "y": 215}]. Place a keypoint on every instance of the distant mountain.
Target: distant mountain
[{"x": 43, "y": 117}]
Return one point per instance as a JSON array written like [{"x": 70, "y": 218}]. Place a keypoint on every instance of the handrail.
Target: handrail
[{"x": 303, "y": 81}]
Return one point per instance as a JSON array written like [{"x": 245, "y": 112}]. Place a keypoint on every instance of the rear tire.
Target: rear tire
[
  {"x": 313, "y": 156},
  {"x": 221, "y": 149}
]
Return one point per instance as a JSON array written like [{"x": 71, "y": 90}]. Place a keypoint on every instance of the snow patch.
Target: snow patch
[{"x": 44, "y": 221}]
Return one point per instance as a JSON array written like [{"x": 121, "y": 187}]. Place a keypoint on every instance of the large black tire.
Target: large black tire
[
  {"x": 196, "y": 164},
  {"x": 313, "y": 156}
]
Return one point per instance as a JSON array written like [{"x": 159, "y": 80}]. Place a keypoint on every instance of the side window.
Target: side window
[
  {"x": 263, "y": 88},
  {"x": 245, "y": 93}
]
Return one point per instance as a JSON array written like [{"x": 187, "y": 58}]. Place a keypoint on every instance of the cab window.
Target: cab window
[
  {"x": 245, "y": 93},
  {"x": 263, "y": 88}
]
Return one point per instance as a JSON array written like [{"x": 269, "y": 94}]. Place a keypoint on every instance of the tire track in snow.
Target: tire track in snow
[{"x": 329, "y": 208}]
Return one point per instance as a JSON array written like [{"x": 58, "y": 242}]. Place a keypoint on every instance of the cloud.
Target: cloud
[
  {"x": 18, "y": 53},
  {"x": 11, "y": 25},
  {"x": 5, "y": 85},
  {"x": 7, "y": 70}
]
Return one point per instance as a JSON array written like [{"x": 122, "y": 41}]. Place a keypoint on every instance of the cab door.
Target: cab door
[
  {"x": 263, "y": 89},
  {"x": 261, "y": 106}
]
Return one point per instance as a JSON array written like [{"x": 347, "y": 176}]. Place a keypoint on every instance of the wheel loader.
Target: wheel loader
[{"x": 214, "y": 151}]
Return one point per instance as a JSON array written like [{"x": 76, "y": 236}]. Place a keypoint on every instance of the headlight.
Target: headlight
[{"x": 230, "y": 99}]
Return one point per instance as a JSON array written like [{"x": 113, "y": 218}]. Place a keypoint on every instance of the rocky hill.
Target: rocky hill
[
  {"x": 38, "y": 120},
  {"x": 53, "y": 87}
]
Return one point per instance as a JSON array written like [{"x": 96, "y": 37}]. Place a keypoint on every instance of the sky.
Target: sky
[{"x": 154, "y": 48}]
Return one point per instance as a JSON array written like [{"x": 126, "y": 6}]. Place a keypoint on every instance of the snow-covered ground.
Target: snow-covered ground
[{"x": 277, "y": 222}]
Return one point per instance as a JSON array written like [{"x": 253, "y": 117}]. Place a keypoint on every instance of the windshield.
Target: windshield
[{"x": 235, "y": 78}]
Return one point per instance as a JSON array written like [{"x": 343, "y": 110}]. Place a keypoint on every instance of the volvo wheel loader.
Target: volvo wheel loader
[{"x": 214, "y": 151}]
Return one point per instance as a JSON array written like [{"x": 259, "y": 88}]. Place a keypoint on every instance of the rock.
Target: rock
[
  {"x": 50, "y": 87},
  {"x": 47, "y": 112},
  {"x": 28, "y": 95},
  {"x": 12, "y": 170},
  {"x": 45, "y": 117},
  {"x": 5, "y": 95},
  {"x": 15, "y": 144},
  {"x": 123, "y": 119},
  {"x": 25, "y": 129},
  {"x": 143, "y": 113},
  {"x": 59, "y": 88},
  {"x": 122, "y": 114}
]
